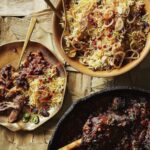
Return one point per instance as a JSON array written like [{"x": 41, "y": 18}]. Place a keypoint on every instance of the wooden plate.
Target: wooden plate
[
  {"x": 57, "y": 33},
  {"x": 9, "y": 54}
]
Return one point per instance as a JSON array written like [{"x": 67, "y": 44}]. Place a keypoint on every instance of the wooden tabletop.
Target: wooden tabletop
[{"x": 13, "y": 28}]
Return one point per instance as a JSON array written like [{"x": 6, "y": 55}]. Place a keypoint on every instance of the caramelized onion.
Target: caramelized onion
[
  {"x": 118, "y": 59},
  {"x": 110, "y": 24},
  {"x": 76, "y": 44},
  {"x": 132, "y": 54},
  {"x": 131, "y": 21},
  {"x": 108, "y": 14},
  {"x": 119, "y": 24},
  {"x": 72, "y": 53}
]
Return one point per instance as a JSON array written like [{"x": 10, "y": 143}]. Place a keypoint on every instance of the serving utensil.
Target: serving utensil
[
  {"x": 49, "y": 3},
  {"x": 28, "y": 35},
  {"x": 58, "y": 33},
  {"x": 72, "y": 145},
  {"x": 41, "y": 13}
]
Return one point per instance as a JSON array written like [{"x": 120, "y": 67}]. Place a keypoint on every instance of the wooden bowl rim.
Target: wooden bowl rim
[{"x": 83, "y": 69}]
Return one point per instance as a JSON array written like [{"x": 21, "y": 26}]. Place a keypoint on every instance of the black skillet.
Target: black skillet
[{"x": 70, "y": 125}]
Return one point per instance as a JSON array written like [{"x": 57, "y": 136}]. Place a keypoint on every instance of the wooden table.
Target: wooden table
[{"x": 14, "y": 28}]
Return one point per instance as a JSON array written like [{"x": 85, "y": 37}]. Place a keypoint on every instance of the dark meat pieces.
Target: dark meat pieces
[
  {"x": 34, "y": 64},
  {"x": 2, "y": 82},
  {"x": 6, "y": 76},
  {"x": 147, "y": 138},
  {"x": 8, "y": 105},
  {"x": 118, "y": 103},
  {"x": 124, "y": 126},
  {"x": 16, "y": 107},
  {"x": 13, "y": 93},
  {"x": 6, "y": 72},
  {"x": 19, "y": 102},
  {"x": 103, "y": 129},
  {"x": 2, "y": 92},
  {"x": 22, "y": 82}
]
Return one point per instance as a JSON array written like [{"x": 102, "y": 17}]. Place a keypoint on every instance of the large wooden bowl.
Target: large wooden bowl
[
  {"x": 57, "y": 33},
  {"x": 9, "y": 54}
]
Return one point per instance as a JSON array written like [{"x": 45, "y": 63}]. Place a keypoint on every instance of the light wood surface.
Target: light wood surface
[
  {"x": 20, "y": 7},
  {"x": 78, "y": 86}
]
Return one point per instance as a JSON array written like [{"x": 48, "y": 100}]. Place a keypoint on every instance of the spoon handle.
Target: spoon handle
[
  {"x": 28, "y": 35},
  {"x": 49, "y": 3},
  {"x": 72, "y": 145}
]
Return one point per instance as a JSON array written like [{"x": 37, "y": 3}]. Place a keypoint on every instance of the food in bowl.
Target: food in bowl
[
  {"x": 28, "y": 94},
  {"x": 125, "y": 125},
  {"x": 105, "y": 34}
]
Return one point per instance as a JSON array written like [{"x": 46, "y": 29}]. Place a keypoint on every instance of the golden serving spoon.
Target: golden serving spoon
[
  {"x": 66, "y": 25},
  {"x": 28, "y": 35},
  {"x": 72, "y": 145},
  {"x": 66, "y": 32}
]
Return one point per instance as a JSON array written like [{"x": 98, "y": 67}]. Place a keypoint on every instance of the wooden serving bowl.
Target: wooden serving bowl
[
  {"x": 57, "y": 33},
  {"x": 9, "y": 54}
]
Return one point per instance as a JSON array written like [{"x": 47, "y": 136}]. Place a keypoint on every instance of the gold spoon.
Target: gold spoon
[
  {"x": 66, "y": 31},
  {"x": 28, "y": 35},
  {"x": 72, "y": 145},
  {"x": 66, "y": 25}
]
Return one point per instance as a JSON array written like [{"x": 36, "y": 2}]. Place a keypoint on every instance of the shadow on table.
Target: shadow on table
[{"x": 138, "y": 77}]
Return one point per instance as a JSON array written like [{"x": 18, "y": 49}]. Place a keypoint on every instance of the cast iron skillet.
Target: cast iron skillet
[{"x": 70, "y": 125}]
